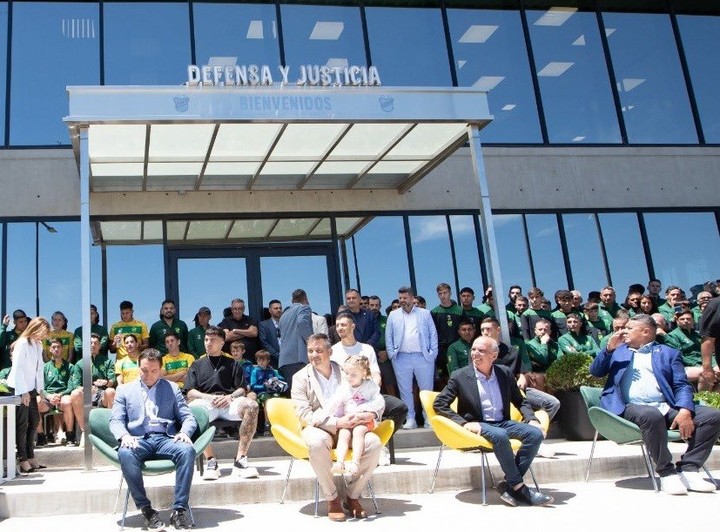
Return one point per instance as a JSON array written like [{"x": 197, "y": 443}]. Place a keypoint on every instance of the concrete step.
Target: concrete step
[{"x": 76, "y": 491}]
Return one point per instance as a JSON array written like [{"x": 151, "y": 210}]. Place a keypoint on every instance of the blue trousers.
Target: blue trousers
[
  {"x": 514, "y": 465},
  {"x": 160, "y": 447}
]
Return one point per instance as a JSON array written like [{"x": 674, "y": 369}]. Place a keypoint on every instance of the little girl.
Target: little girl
[{"x": 357, "y": 393}]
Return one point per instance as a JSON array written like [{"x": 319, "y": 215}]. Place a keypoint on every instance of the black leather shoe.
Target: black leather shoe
[
  {"x": 531, "y": 497},
  {"x": 179, "y": 519},
  {"x": 506, "y": 494},
  {"x": 152, "y": 518}
]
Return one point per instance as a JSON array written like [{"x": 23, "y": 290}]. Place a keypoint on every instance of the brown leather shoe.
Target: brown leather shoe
[
  {"x": 335, "y": 511},
  {"x": 356, "y": 510}
]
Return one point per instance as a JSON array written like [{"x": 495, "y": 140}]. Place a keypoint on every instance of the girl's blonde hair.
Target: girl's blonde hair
[
  {"x": 359, "y": 361},
  {"x": 35, "y": 325}
]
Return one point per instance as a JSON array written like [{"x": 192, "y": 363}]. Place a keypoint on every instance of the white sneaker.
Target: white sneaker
[
  {"x": 410, "y": 424},
  {"x": 61, "y": 438},
  {"x": 243, "y": 470},
  {"x": 673, "y": 485},
  {"x": 427, "y": 425},
  {"x": 384, "y": 457},
  {"x": 546, "y": 451},
  {"x": 694, "y": 481},
  {"x": 212, "y": 471}
]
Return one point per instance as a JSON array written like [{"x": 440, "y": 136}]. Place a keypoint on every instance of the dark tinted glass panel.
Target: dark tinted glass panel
[
  {"x": 466, "y": 252},
  {"x": 408, "y": 46},
  {"x": 693, "y": 238},
  {"x": 699, "y": 35},
  {"x": 322, "y": 35},
  {"x": 53, "y": 45},
  {"x": 146, "y": 43},
  {"x": 574, "y": 82},
  {"x": 232, "y": 34},
  {"x": 546, "y": 253},
  {"x": 652, "y": 90},
  {"x": 512, "y": 251},
  {"x": 382, "y": 257},
  {"x": 431, "y": 255},
  {"x": 490, "y": 53},
  {"x": 623, "y": 245},
  {"x": 583, "y": 244}
]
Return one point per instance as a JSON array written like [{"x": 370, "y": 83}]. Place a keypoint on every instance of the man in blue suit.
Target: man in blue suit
[
  {"x": 269, "y": 332},
  {"x": 295, "y": 328},
  {"x": 151, "y": 420},
  {"x": 412, "y": 345},
  {"x": 646, "y": 384}
]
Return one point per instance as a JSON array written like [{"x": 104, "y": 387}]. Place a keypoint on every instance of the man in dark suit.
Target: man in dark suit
[
  {"x": 646, "y": 384},
  {"x": 269, "y": 332},
  {"x": 295, "y": 328},
  {"x": 484, "y": 392},
  {"x": 151, "y": 420}
]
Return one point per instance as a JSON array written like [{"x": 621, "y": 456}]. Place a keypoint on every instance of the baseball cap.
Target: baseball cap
[
  {"x": 204, "y": 310},
  {"x": 19, "y": 314}
]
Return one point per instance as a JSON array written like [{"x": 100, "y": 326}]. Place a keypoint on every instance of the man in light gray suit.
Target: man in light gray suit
[
  {"x": 151, "y": 420},
  {"x": 295, "y": 328}
]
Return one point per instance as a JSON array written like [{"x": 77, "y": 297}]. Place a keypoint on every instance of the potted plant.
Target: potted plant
[{"x": 564, "y": 378}]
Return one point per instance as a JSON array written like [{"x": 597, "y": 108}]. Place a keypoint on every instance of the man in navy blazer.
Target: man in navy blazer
[
  {"x": 151, "y": 420},
  {"x": 646, "y": 384},
  {"x": 269, "y": 332},
  {"x": 484, "y": 392}
]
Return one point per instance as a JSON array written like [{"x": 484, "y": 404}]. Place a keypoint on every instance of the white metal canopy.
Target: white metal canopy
[{"x": 278, "y": 137}]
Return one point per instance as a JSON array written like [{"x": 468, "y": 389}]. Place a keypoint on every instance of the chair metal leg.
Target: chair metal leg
[
  {"x": 287, "y": 481},
  {"x": 592, "y": 452},
  {"x": 483, "y": 460},
  {"x": 192, "y": 517},
  {"x": 127, "y": 500},
  {"x": 649, "y": 466},
  {"x": 391, "y": 448},
  {"x": 371, "y": 489},
  {"x": 707, "y": 472},
  {"x": 437, "y": 467},
  {"x": 532, "y": 475},
  {"x": 317, "y": 496},
  {"x": 117, "y": 497}
]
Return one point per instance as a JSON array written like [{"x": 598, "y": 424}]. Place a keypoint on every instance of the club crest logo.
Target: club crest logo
[
  {"x": 181, "y": 103},
  {"x": 387, "y": 103}
]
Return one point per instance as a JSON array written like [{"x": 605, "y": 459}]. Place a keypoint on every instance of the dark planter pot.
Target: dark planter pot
[{"x": 574, "y": 420}]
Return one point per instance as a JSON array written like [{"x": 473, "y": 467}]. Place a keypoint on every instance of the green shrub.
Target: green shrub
[
  {"x": 708, "y": 399},
  {"x": 571, "y": 371}
]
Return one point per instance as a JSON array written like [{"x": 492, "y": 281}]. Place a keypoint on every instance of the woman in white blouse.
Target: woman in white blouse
[{"x": 26, "y": 377}]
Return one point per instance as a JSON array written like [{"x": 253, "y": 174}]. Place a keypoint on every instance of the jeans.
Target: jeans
[
  {"x": 162, "y": 447},
  {"x": 500, "y": 433},
  {"x": 542, "y": 401}
]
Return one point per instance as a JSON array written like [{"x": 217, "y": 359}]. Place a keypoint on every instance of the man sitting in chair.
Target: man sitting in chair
[
  {"x": 145, "y": 419},
  {"x": 647, "y": 385},
  {"x": 484, "y": 392},
  {"x": 312, "y": 386}
]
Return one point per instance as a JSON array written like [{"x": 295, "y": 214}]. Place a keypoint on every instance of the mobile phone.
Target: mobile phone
[{"x": 678, "y": 309}]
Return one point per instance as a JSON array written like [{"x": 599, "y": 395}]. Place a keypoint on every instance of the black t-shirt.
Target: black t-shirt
[
  {"x": 251, "y": 344},
  {"x": 219, "y": 374},
  {"x": 710, "y": 324}
]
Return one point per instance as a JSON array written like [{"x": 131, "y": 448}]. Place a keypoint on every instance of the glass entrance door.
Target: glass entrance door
[{"x": 212, "y": 277}]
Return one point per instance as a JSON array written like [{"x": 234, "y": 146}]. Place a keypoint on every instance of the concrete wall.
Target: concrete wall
[{"x": 46, "y": 183}]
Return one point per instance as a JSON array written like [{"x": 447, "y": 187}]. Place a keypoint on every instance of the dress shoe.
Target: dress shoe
[
  {"x": 356, "y": 510},
  {"x": 505, "y": 492},
  {"x": 531, "y": 497},
  {"x": 335, "y": 511}
]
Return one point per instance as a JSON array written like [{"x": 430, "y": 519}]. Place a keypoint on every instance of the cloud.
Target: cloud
[{"x": 430, "y": 228}]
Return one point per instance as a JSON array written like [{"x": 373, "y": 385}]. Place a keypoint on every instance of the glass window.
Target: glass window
[
  {"x": 53, "y": 45},
  {"x": 573, "y": 77},
  {"x": 322, "y": 35},
  {"x": 3, "y": 64},
  {"x": 512, "y": 251},
  {"x": 431, "y": 256},
  {"x": 137, "y": 274},
  {"x": 490, "y": 53},
  {"x": 694, "y": 239},
  {"x": 652, "y": 90},
  {"x": 408, "y": 46},
  {"x": 277, "y": 284},
  {"x": 700, "y": 34},
  {"x": 381, "y": 257},
  {"x": 146, "y": 43},
  {"x": 21, "y": 262},
  {"x": 546, "y": 253},
  {"x": 624, "y": 249},
  {"x": 583, "y": 244},
  {"x": 466, "y": 252},
  {"x": 216, "y": 296},
  {"x": 236, "y": 34}
]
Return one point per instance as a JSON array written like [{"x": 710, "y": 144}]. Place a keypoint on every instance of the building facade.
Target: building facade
[{"x": 602, "y": 158}]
